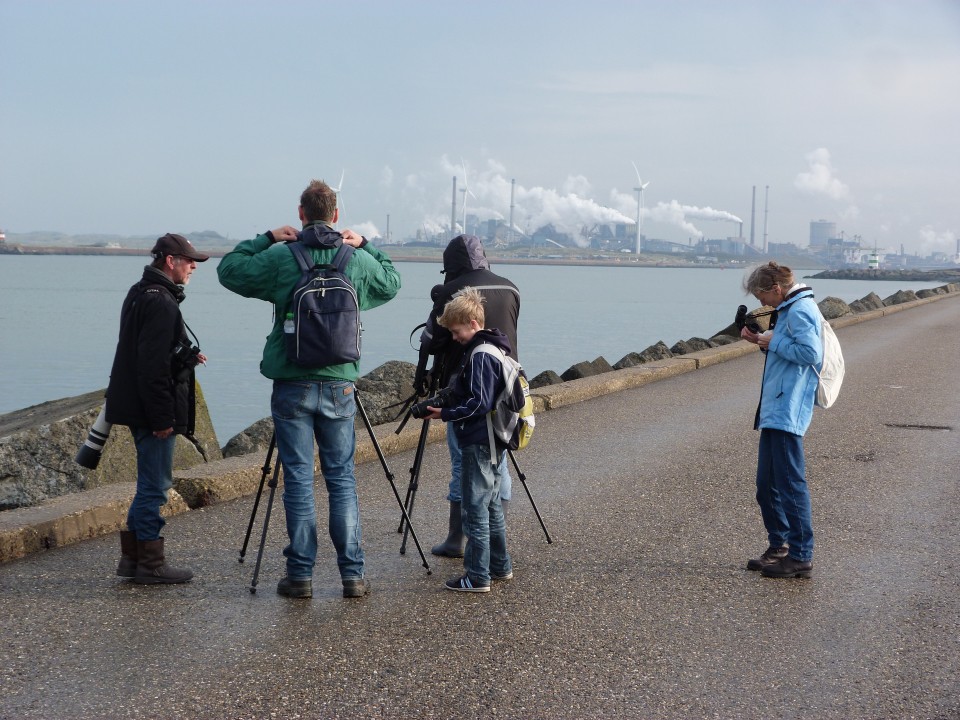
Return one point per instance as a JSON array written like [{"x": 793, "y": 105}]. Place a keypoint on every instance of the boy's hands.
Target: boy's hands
[{"x": 433, "y": 413}]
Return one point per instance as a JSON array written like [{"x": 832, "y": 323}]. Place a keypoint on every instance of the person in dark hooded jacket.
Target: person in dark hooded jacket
[
  {"x": 465, "y": 264},
  {"x": 151, "y": 390},
  {"x": 475, "y": 385}
]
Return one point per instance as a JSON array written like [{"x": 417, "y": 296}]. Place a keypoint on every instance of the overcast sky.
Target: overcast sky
[{"x": 138, "y": 118}]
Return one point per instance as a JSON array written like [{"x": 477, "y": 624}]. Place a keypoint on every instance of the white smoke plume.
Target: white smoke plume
[
  {"x": 568, "y": 210},
  {"x": 367, "y": 229},
  {"x": 932, "y": 241},
  {"x": 675, "y": 213},
  {"x": 820, "y": 178}
]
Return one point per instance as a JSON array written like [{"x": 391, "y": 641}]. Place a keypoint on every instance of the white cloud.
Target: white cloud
[
  {"x": 820, "y": 178},
  {"x": 932, "y": 241}
]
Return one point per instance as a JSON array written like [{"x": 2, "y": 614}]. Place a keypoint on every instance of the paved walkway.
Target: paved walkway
[{"x": 641, "y": 607}]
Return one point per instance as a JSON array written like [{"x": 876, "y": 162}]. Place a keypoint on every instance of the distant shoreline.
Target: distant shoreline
[{"x": 397, "y": 254}]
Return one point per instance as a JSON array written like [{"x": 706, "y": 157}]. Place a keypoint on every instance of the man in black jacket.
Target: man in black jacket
[
  {"x": 151, "y": 390},
  {"x": 465, "y": 264}
]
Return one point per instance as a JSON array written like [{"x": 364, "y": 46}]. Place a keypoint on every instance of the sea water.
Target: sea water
[{"x": 59, "y": 319}]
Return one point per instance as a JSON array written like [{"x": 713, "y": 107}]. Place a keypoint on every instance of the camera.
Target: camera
[
  {"x": 90, "y": 452},
  {"x": 742, "y": 320},
  {"x": 185, "y": 357},
  {"x": 442, "y": 399}
]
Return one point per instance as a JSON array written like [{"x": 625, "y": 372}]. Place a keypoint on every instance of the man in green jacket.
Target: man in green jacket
[{"x": 316, "y": 403}]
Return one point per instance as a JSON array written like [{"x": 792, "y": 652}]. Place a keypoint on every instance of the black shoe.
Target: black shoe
[
  {"x": 788, "y": 568},
  {"x": 295, "y": 588},
  {"x": 356, "y": 587},
  {"x": 770, "y": 556},
  {"x": 465, "y": 584}
]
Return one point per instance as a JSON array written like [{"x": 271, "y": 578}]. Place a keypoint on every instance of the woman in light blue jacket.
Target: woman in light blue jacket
[{"x": 794, "y": 352}]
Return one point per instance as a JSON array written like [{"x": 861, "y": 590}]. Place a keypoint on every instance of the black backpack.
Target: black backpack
[{"x": 322, "y": 326}]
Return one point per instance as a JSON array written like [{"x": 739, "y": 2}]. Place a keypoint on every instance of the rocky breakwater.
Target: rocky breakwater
[
  {"x": 946, "y": 275},
  {"x": 830, "y": 307},
  {"x": 47, "y": 499}
]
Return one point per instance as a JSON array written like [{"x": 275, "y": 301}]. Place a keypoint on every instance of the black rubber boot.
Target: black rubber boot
[
  {"x": 453, "y": 545},
  {"x": 127, "y": 567},
  {"x": 152, "y": 568}
]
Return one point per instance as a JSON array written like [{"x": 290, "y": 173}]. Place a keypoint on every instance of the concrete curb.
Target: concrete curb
[
  {"x": 80, "y": 516},
  {"x": 72, "y": 518}
]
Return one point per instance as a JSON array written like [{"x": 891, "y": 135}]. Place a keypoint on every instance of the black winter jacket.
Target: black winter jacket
[
  {"x": 465, "y": 265},
  {"x": 147, "y": 387}
]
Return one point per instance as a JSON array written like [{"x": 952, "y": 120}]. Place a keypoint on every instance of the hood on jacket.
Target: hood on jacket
[
  {"x": 463, "y": 254},
  {"x": 494, "y": 337},
  {"x": 320, "y": 234}
]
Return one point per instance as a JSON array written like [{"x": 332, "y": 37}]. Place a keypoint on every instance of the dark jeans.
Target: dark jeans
[
  {"x": 782, "y": 493},
  {"x": 154, "y": 480}
]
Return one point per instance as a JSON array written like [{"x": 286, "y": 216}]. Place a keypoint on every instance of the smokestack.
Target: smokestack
[
  {"x": 753, "y": 214},
  {"x": 387, "y": 238},
  {"x": 766, "y": 199},
  {"x": 513, "y": 188},
  {"x": 453, "y": 210}
]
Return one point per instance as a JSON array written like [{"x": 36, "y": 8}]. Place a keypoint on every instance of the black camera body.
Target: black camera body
[
  {"x": 184, "y": 358},
  {"x": 742, "y": 320},
  {"x": 444, "y": 398}
]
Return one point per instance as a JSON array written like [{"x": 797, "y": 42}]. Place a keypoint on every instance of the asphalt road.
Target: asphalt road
[{"x": 641, "y": 607}]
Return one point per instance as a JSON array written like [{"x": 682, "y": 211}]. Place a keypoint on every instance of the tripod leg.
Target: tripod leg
[
  {"x": 256, "y": 503},
  {"x": 414, "y": 476},
  {"x": 523, "y": 481},
  {"x": 393, "y": 485},
  {"x": 266, "y": 524}
]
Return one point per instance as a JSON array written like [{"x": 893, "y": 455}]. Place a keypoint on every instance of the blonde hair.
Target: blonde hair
[
  {"x": 764, "y": 277},
  {"x": 465, "y": 306}
]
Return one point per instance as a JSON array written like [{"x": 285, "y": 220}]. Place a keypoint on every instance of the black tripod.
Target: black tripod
[
  {"x": 266, "y": 469},
  {"x": 415, "y": 478}
]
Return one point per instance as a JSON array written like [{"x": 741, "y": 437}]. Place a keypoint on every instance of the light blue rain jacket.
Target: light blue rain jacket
[{"x": 789, "y": 378}]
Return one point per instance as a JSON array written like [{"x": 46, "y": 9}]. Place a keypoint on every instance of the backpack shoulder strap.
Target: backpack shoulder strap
[
  {"x": 300, "y": 254},
  {"x": 342, "y": 257},
  {"x": 490, "y": 349}
]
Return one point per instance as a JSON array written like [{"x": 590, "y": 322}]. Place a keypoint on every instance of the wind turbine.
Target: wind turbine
[
  {"x": 639, "y": 190},
  {"x": 465, "y": 190},
  {"x": 336, "y": 191}
]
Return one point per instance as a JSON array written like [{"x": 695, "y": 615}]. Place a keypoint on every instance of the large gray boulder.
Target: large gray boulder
[
  {"x": 694, "y": 344},
  {"x": 38, "y": 445},
  {"x": 386, "y": 385},
  {"x": 867, "y": 303},
  {"x": 255, "y": 439},
  {"x": 900, "y": 297},
  {"x": 833, "y": 307},
  {"x": 547, "y": 377},
  {"x": 657, "y": 351},
  {"x": 586, "y": 369}
]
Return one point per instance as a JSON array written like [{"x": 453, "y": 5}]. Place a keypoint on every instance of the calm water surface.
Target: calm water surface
[{"x": 59, "y": 317}]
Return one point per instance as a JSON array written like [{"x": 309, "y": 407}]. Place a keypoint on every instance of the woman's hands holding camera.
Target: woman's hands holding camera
[{"x": 760, "y": 339}]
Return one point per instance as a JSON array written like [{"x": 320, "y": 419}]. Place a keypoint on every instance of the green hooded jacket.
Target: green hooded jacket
[{"x": 261, "y": 269}]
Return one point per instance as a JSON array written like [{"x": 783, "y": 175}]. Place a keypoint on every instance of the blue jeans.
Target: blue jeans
[
  {"x": 304, "y": 411},
  {"x": 482, "y": 517},
  {"x": 782, "y": 493},
  {"x": 503, "y": 470},
  {"x": 154, "y": 480}
]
